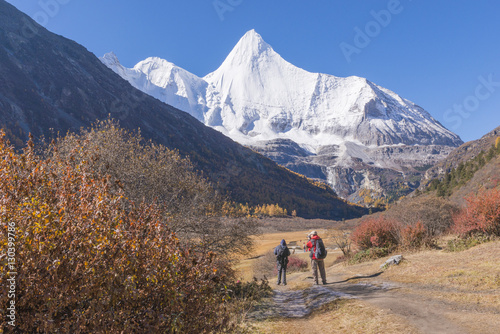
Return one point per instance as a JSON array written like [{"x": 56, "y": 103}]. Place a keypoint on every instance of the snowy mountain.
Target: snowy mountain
[
  {"x": 165, "y": 81},
  {"x": 50, "y": 85},
  {"x": 259, "y": 99}
]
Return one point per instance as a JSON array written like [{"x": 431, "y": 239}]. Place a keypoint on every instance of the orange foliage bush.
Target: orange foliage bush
[
  {"x": 90, "y": 261},
  {"x": 375, "y": 232},
  {"x": 414, "y": 236},
  {"x": 383, "y": 232},
  {"x": 480, "y": 215},
  {"x": 151, "y": 173}
]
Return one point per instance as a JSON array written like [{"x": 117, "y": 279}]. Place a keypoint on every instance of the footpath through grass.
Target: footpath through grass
[{"x": 462, "y": 285}]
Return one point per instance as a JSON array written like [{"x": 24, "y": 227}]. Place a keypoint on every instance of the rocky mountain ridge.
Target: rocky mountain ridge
[
  {"x": 462, "y": 154},
  {"x": 348, "y": 132}
]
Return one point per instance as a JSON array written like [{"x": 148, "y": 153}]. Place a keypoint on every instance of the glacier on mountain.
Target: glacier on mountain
[
  {"x": 256, "y": 95},
  {"x": 257, "y": 98}
]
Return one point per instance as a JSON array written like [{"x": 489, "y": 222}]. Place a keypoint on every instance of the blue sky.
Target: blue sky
[{"x": 442, "y": 55}]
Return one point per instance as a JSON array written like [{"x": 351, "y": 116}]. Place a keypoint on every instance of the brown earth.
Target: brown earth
[{"x": 429, "y": 292}]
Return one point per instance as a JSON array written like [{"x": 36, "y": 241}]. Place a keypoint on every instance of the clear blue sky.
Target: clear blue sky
[{"x": 442, "y": 55}]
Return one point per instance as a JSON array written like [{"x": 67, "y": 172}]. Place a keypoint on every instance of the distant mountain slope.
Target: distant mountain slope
[
  {"x": 51, "y": 84},
  {"x": 463, "y": 153},
  {"x": 485, "y": 178},
  {"x": 348, "y": 132},
  {"x": 473, "y": 166}
]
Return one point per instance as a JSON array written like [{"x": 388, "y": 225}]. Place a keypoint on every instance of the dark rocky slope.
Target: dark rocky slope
[{"x": 50, "y": 84}]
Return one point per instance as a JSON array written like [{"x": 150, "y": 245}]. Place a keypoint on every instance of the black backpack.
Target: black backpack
[
  {"x": 281, "y": 257},
  {"x": 320, "y": 251}
]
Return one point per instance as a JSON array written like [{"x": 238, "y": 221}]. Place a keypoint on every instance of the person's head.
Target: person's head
[
  {"x": 312, "y": 233},
  {"x": 283, "y": 242}
]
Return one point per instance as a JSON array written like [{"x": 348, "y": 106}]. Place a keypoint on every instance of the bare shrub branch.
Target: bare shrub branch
[{"x": 152, "y": 173}]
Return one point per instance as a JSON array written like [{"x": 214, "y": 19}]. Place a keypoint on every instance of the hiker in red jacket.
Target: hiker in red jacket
[{"x": 316, "y": 263}]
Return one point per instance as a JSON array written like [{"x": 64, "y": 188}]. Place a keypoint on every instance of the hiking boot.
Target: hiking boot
[
  {"x": 324, "y": 283},
  {"x": 278, "y": 283}
]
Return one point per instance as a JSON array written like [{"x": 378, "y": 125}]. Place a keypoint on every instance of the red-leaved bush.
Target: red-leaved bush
[
  {"x": 295, "y": 263},
  {"x": 413, "y": 236},
  {"x": 383, "y": 232},
  {"x": 375, "y": 232},
  {"x": 480, "y": 215}
]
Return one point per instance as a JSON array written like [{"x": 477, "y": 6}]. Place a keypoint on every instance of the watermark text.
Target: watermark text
[
  {"x": 461, "y": 111},
  {"x": 11, "y": 274},
  {"x": 373, "y": 28},
  {"x": 48, "y": 10},
  {"x": 223, "y": 6}
]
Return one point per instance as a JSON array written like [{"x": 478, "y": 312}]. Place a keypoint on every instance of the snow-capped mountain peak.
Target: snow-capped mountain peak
[
  {"x": 110, "y": 59},
  {"x": 256, "y": 96},
  {"x": 251, "y": 54},
  {"x": 249, "y": 46},
  {"x": 345, "y": 131},
  {"x": 157, "y": 70},
  {"x": 165, "y": 81}
]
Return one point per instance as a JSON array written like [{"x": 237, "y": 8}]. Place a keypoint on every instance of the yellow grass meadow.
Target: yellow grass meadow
[{"x": 466, "y": 282}]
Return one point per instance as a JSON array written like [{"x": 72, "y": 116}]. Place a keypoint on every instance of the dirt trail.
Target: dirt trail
[
  {"x": 425, "y": 314},
  {"x": 431, "y": 292}
]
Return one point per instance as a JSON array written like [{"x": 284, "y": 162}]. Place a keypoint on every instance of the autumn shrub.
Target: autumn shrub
[
  {"x": 296, "y": 264},
  {"x": 152, "y": 173},
  {"x": 387, "y": 233},
  {"x": 413, "y": 236},
  {"x": 434, "y": 214},
  {"x": 375, "y": 232},
  {"x": 88, "y": 260},
  {"x": 481, "y": 215}
]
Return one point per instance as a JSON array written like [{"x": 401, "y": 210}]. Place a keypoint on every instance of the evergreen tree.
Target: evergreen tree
[{"x": 441, "y": 191}]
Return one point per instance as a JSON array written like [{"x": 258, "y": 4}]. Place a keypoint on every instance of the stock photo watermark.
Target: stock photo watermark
[
  {"x": 471, "y": 103},
  {"x": 48, "y": 10},
  {"x": 223, "y": 6},
  {"x": 11, "y": 274},
  {"x": 363, "y": 36}
]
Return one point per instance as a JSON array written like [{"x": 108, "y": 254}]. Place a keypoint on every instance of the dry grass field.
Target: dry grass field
[{"x": 432, "y": 291}]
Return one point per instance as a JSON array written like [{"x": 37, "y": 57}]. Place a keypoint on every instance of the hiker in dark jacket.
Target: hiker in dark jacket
[{"x": 282, "y": 253}]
